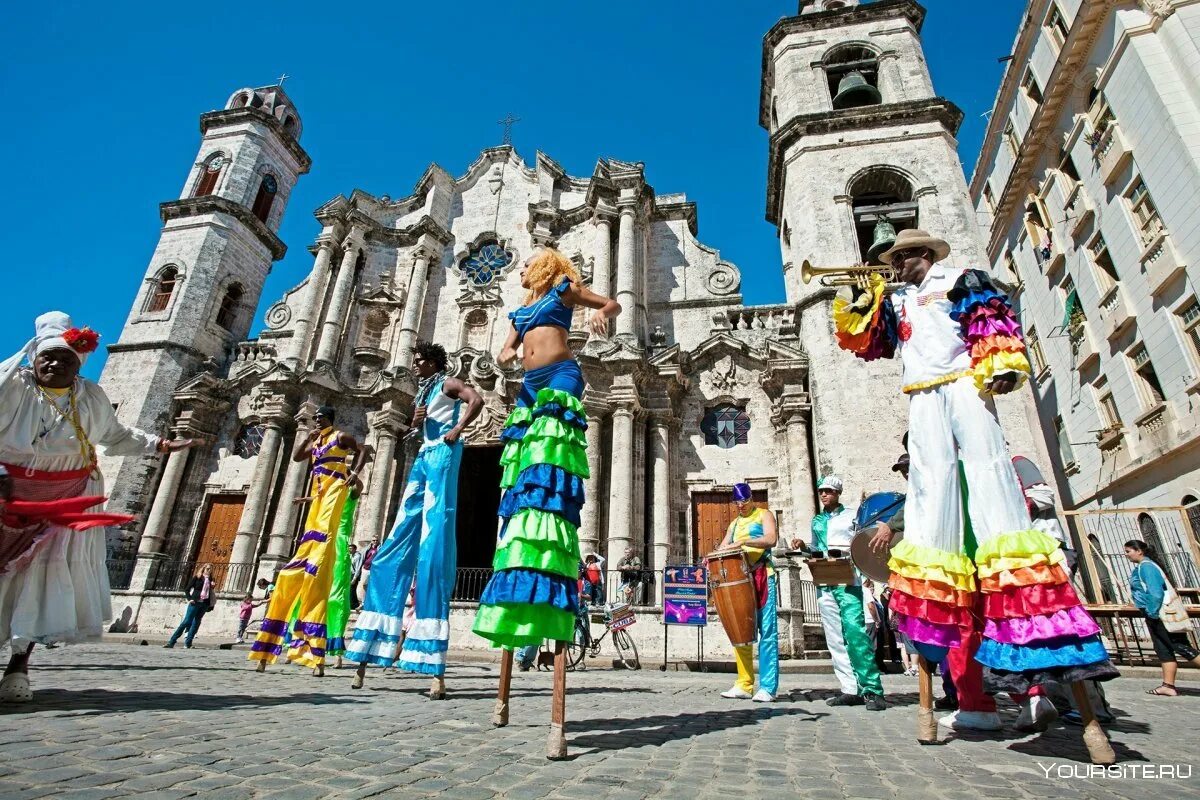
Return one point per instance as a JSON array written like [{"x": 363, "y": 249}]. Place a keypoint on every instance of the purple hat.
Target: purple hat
[{"x": 742, "y": 492}]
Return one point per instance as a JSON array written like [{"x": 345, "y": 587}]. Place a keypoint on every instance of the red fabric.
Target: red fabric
[
  {"x": 759, "y": 574},
  {"x": 69, "y": 513},
  {"x": 967, "y": 674},
  {"x": 19, "y": 473},
  {"x": 593, "y": 574},
  {"x": 1029, "y": 601}
]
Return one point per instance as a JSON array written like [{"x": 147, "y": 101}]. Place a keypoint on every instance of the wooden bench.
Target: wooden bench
[{"x": 1118, "y": 622}]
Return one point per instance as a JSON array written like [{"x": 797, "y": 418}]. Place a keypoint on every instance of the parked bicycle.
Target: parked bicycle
[{"x": 616, "y": 619}]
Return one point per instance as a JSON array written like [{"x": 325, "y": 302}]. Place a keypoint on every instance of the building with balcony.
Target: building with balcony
[{"x": 1086, "y": 189}]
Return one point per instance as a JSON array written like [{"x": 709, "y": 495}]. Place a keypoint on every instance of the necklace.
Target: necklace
[{"x": 70, "y": 416}]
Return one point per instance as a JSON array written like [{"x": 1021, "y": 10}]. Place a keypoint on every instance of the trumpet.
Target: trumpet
[{"x": 855, "y": 275}]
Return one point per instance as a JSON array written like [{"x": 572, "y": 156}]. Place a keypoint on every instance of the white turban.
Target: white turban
[{"x": 48, "y": 335}]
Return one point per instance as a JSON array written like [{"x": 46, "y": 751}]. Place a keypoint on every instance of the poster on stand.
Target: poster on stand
[{"x": 685, "y": 595}]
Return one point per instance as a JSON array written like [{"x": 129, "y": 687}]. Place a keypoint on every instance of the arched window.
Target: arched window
[
  {"x": 726, "y": 426},
  {"x": 164, "y": 287},
  {"x": 241, "y": 101},
  {"x": 374, "y": 324},
  {"x": 227, "y": 313},
  {"x": 486, "y": 262},
  {"x": 475, "y": 329},
  {"x": 289, "y": 125},
  {"x": 265, "y": 197},
  {"x": 210, "y": 173},
  {"x": 248, "y": 441},
  {"x": 881, "y": 195},
  {"x": 1108, "y": 591},
  {"x": 1153, "y": 537},
  {"x": 853, "y": 75}
]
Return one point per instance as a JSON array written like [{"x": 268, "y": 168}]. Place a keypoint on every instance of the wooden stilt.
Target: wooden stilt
[
  {"x": 1098, "y": 747},
  {"x": 556, "y": 743},
  {"x": 262, "y": 667},
  {"x": 500, "y": 715},
  {"x": 927, "y": 732},
  {"x": 437, "y": 689},
  {"x": 359, "y": 675}
]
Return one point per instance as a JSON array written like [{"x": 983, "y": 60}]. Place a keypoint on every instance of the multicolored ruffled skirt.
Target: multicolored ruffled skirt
[
  {"x": 533, "y": 593},
  {"x": 1034, "y": 628},
  {"x": 338, "y": 611}
]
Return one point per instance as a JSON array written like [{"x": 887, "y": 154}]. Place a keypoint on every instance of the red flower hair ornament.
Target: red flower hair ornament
[{"x": 81, "y": 340}]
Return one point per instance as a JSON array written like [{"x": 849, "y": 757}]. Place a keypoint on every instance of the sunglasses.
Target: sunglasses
[{"x": 904, "y": 255}]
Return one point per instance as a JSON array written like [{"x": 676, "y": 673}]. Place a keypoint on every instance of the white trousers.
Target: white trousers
[
  {"x": 831, "y": 621},
  {"x": 948, "y": 424}
]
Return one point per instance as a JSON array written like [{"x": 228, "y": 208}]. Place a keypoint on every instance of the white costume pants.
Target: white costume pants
[
  {"x": 831, "y": 621},
  {"x": 947, "y": 424}
]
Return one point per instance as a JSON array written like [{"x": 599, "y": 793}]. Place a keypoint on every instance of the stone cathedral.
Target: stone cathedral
[{"x": 690, "y": 392}]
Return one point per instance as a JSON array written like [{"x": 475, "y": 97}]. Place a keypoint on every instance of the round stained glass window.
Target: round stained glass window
[{"x": 484, "y": 265}]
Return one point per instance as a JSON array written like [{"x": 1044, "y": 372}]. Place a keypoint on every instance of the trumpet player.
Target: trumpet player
[{"x": 960, "y": 343}]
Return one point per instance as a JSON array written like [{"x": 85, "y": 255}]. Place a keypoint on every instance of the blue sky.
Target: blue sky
[{"x": 103, "y": 103}]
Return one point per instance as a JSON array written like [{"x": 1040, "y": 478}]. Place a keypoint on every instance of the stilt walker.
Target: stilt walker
[
  {"x": 422, "y": 546},
  {"x": 960, "y": 343},
  {"x": 305, "y": 581},
  {"x": 533, "y": 594}
]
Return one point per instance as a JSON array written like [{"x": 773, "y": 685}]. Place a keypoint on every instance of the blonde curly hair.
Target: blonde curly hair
[{"x": 545, "y": 270}]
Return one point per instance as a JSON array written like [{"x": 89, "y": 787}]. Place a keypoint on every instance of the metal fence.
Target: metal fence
[
  {"x": 120, "y": 572},
  {"x": 1103, "y": 533},
  {"x": 174, "y": 576},
  {"x": 469, "y": 583}
]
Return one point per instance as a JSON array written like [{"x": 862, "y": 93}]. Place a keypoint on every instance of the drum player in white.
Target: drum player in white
[{"x": 841, "y": 607}]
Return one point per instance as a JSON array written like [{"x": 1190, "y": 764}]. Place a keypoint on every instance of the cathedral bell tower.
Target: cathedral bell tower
[
  {"x": 858, "y": 138},
  {"x": 202, "y": 285}
]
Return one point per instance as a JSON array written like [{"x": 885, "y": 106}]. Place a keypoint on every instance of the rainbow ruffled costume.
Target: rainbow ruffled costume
[
  {"x": 533, "y": 593},
  {"x": 956, "y": 333}
]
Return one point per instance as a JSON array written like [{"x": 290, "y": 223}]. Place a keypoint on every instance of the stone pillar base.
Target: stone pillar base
[
  {"x": 144, "y": 571},
  {"x": 267, "y": 567}
]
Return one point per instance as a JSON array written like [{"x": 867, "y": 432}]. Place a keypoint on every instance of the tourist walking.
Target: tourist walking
[{"x": 1166, "y": 617}]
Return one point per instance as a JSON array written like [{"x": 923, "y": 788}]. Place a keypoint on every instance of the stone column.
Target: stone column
[
  {"x": 410, "y": 320},
  {"x": 373, "y": 516},
  {"x": 283, "y": 527},
  {"x": 620, "y": 486},
  {"x": 258, "y": 498},
  {"x": 602, "y": 265},
  {"x": 308, "y": 307},
  {"x": 800, "y": 474},
  {"x": 589, "y": 525},
  {"x": 164, "y": 501},
  {"x": 626, "y": 279},
  {"x": 660, "y": 442},
  {"x": 339, "y": 304}
]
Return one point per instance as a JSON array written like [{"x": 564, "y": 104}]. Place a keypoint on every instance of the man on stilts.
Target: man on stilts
[
  {"x": 960, "y": 343},
  {"x": 422, "y": 543}
]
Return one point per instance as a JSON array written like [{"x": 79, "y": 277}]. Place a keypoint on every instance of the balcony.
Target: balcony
[
  {"x": 251, "y": 353},
  {"x": 1160, "y": 263},
  {"x": 1083, "y": 349},
  {"x": 1111, "y": 152},
  {"x": 1079, "y": 210},
  {"x": 1115, "y": 314},
  {"x": 778, "y": 318}
]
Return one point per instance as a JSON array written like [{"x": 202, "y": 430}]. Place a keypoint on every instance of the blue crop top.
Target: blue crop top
[{"x": 546, "y": 310}]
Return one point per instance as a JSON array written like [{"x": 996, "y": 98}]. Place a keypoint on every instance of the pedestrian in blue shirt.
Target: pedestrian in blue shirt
[{"x": 1148, "y": 584}]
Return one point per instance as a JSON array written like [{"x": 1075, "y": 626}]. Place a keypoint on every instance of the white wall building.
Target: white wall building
[{"x": 1087, "y": 189}]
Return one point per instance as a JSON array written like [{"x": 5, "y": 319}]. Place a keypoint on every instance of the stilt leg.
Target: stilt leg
[
  {"x": 437, "y": 690},
  {"x": 556, "y": 743},
  {"x": 500, "y": 715},
  {"x": 262, "y": 667},
  {"x": 927, "y": 732},
  {"x": 359, "y": 674},
  {"x": 319, "y": 670},
  {"x": 1094, "y": 739}
]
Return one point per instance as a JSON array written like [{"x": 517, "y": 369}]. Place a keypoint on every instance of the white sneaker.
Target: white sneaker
[
  {"x": 972, "y": 721},
  {"x": 763, "y": 696},
  {"x": 14, "y": 688},
  {"x": 734, "y": 693}
]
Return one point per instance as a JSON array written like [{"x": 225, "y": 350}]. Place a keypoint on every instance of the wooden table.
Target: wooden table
[{"x": 1117, "y": 620}]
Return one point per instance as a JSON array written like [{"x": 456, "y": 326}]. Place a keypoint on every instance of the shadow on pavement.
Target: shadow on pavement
[
  {"x": 620, "y": 732},
  {"x": 98, "y": 701}
]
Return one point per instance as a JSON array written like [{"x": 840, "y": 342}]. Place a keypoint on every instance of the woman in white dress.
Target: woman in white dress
[{"x": 53, "y": 578}]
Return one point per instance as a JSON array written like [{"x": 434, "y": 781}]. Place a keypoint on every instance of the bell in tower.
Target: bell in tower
[
  {"x": 854, "y": 91},
  {"x": 884, "y": 238}
]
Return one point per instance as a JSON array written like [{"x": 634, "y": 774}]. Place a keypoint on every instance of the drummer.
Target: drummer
[
  {"x": 841, "y": 608},
  {"x": 754, "y": 529}
]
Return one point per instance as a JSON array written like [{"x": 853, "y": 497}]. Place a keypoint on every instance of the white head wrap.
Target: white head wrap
[{"x": 48, "y": 335}]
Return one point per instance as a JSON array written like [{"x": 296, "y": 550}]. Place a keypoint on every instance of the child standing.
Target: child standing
[{"x": 247, "y": 608}]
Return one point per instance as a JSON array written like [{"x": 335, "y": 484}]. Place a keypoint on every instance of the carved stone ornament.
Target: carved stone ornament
[
  {"x": 487, "y": 427},
  {"x": 278, "y": 315},
  {"x": 723, "y": 375},
  {"x": 724, "y": 279}
]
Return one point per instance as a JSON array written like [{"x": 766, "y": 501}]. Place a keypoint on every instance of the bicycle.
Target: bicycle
[{"x": 615, "y": 623}]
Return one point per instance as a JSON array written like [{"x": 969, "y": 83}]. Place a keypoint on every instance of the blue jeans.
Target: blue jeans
[
  {"x": 191, "y": 623},
  {"x": 525, "y": 655}
]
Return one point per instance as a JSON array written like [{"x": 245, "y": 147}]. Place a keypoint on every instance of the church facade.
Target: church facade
[{"x": 690, "y": 391}]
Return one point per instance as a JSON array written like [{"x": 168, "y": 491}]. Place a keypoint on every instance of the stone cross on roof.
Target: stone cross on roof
[{"x": 507, "y": 122}]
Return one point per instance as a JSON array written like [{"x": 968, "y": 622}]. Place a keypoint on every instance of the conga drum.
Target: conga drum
[{"x": 732, "y": 590}]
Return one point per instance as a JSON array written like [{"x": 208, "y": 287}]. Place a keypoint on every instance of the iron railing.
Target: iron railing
[
  {"x": 469, "y": 583},
  {"x": 120, "y": 572},
  {"x": 174, "y": 576}
]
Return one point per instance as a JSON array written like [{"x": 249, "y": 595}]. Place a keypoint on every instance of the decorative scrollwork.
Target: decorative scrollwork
[
  {"x": 278, "y": 315},
  {"x": 724, "y": 279}
]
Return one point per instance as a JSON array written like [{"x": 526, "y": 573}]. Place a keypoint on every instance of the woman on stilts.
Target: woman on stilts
[
  {"x": 532, "y": 594},
  {"x": 304, "y": 582}
]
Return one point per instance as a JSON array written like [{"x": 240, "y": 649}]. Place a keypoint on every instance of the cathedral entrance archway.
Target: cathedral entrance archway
[{"x": 478, "y": 502}]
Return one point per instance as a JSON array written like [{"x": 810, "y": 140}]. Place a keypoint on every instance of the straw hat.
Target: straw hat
[{"x": 912, "y": 237}]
